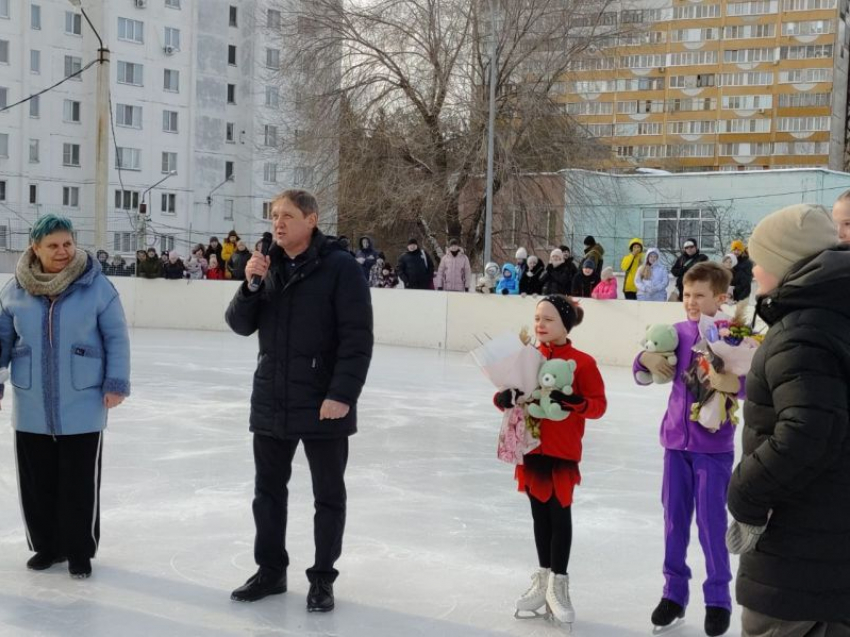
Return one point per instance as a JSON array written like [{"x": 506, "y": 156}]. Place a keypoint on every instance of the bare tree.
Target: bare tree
[{"x": 392, "y": 97}]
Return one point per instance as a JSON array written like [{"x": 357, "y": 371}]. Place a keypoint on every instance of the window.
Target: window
[
  {"x": 797, "y": 100},
  {"x": 73, "y": 65},
  {"x": 696, "y": 11},
  {"x": 229, "y": 135},
  {"x": 233, "y": 21},
  {"x": 802, "y": 124},
  {"x": 690, "y": 58},
  {"x": 755, "y": 7},
  {"x": 174, "y": 4},
  {"x": 172, "y": 38},
  {"x": 71, "y": 196},
  {"x": 745, "y": 150},
  {"x": 35, "y": 106},
  {"x": 749, "y": 55},
  {"x": 749, "y": 31},
  {"x": 273, "y": 19},
  {"x": 35, "y": 61},
  {"x": 33, "y": 194},
  {"x": 746, "y": 102},
  {"x": 4, "y": 96},
  {"x": 73, "y": 23},
  {"x": 169, "y": 121},
  {"x": 801, "y": 148},
  {"x": 745, "y": 126},
  {"x": 598, "y": 130},
  {"x": 267, "y": 206},
  {"x": 131, "y": 30},
  {"x": 270, "y": 173},
  {"x": 694, "y": 127},
  {"x": 641, "y": 61},
  {"x": 4, "y": 51},
  {"x": 231, "y": 93},
  {"x": 169, "y": 162},
  {"x": 228, "y": 208},
  {"x": 128, "y": 158},
  {"x": 130, "y": 73},
  {"x": 272, "y": 97},
  {"x": 71, "y": 111},
  {"x": 805, "y": 76},
  {"x": 127, "y": 199},
  {"x": 693, "y": 81},
  {"x": 124, "y": 241},
  {"x": 691, "y": 104},
  {"x": 3, "y": 193},
  {"x": 589, "y": 108},
  {"x": 35, "y": 17},
  {"x": 228, "y": 170},
  {"x": 304, "y": 176},
  {"x": 34, "y": 154},
  {"x": 269, "y": 135},
  {"x": 812, "y": 27},
  {"x": 70, "y": 154},
  {"x": 171, "y": 81},
  {"x": 632, "y": 129},
  {"x": 812, "y": 51},
  {"x": 273, "y": 58},
  {"x": 695, "y": 35},
  {"x": 4, "y": 8},
  {"x": 166, "y": 243},
  {"x": 231, "y": 54},
  {"x": 808, "y": 5},
  {"x": 746, "y": 79},
  {"x": 129, "y": 116},
  {"x": 169, "y": 203},
  {"x": 667, "y": 228}
]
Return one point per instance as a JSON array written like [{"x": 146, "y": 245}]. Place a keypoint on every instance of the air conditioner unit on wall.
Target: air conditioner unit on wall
[
  {"x": 140, "y": 4},
  {"x": 169, "y": 50}
]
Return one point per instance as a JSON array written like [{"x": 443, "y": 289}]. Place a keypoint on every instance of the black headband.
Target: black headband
[{"x": 565, "y": 310}]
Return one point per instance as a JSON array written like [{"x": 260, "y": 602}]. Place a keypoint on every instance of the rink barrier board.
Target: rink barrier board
[{"x": 611, "y": 331}]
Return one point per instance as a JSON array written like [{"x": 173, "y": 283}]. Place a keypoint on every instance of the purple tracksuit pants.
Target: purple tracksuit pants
[{"x": 696, "y": 481}]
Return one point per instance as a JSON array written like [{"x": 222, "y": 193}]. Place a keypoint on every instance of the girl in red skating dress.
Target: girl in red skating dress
[{"x": 550, "y": 473}]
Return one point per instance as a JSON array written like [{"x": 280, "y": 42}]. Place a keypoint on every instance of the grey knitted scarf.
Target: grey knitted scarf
[{"x": 40, "y": 283}]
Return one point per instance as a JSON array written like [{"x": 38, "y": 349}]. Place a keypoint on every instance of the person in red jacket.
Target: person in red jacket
[
  {"x": 214, "y": 273},
  {"x": 550, "y": 473}
]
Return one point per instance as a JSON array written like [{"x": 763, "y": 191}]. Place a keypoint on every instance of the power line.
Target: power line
[{"x": 50, "y": 88}]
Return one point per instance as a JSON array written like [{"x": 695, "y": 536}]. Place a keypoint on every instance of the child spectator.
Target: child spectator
[
  {"x": 508, "y": 284},
  {"x": 213, "y": 248},
  {"x": 487, "y": 283},
  {"x": 214, "y": 272},
  {"x": 196, "y": 264},
  {"x": 652, "y": 279},
  {"x": 530, "y": 282},
  {"x": 550, "y": 473},
  {"x": 558, "y": 276},
  {"x": 174, "y": 268},
  {"x": 697, "y": 461},
  {"x": 227, "y": 251},
  {"x": 606, "y": 289},
  {"x": 841, "y": 216},
  {"x": 585, "y": 280},
  {"x": 630, "y": 265}
]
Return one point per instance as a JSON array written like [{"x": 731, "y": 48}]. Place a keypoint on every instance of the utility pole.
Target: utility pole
[
  {"x": 491, "y": 140},
  {"x": 142, "y": 216}
]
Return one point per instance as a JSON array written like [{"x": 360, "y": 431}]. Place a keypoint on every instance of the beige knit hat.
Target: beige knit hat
[{"x": 790, "y": 235}]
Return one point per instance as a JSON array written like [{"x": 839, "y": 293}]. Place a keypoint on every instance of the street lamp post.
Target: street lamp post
[
  {"x": 101, "y": 178},
  {"x": 142, "y": 217},
  {"x": 491, "y": 141}
]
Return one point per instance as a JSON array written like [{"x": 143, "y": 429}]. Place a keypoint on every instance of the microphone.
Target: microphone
[{"x": 265, "y": 246}]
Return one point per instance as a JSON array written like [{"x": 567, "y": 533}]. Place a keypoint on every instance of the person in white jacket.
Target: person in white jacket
[{"x": 652, "y": 278}]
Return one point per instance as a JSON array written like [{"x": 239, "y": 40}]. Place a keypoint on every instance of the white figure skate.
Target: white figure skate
[
  {"x": 528, "y": 606},
  {"x": 558, "y": 600}
]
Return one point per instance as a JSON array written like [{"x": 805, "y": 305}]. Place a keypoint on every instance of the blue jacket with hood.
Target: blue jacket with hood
[{"x": 508, "y": 285}]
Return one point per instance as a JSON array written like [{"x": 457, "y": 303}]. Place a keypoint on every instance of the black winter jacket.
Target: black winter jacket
[
  {"x": 315, "y": 337},
  {"x": 583, "y": 285},
  {"x": 173, "y": 270},
  {"x": 742, "y": 279},
  {"x": 532, "y": 284},
  {"x": 558, "y": 280},
  {"x": 238, "y": 261},
  {"x": 796, "y": 449},
  {"x": 416, "y": 270},
  {"x": 682, "y": 265}
]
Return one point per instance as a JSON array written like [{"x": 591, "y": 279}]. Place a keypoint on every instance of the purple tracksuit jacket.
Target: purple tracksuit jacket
[{"x": 697, "y": 470}]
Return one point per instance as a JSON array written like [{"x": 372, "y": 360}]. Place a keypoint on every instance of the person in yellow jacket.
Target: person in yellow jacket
[
  {"x": 630, "y": 265},
  {"x": 227, "y": 251}
]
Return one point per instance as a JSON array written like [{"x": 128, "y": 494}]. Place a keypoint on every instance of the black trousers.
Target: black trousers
[
  {"x": 630, "y": 296},
  {"x": 273, "y": 464},
  {"x": 59, "y": 482},
  {"x": 553, "y": 533}
]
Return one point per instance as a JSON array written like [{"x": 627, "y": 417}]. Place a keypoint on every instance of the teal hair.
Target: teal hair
[{"x": 48, "y": 224}]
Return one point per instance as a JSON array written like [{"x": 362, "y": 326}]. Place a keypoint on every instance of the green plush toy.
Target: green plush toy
[
  {"x": 554, "y": 374},
  {"x": 660, "y": 339}
]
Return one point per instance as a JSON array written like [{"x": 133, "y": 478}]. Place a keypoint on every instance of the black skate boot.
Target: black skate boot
[
  {"x": 666, "y": 613},
  {"x": 79, "y": 568},
  {"x": 43, "y": 560},
  {"x": 262, "y": 584},
  {"x": 716, "y": 621}
]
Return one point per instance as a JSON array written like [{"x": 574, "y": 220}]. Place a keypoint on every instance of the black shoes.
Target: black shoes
[
  {"x": 716, "y": 621},
  {"x": 43, "y": 560},
  {"x": 320, "y": 599},
  {"x": 79, "y": 568},
  {"x": 667, "y": 612},
  {"x": 260, "y": 585}
]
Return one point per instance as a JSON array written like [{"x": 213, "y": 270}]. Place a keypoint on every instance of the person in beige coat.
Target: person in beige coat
[{"x": 455, "y": 272}]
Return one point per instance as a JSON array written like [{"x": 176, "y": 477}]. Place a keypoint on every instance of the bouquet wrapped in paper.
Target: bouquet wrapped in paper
[
  {"x": 511, "y": 362},
  {"x": 728, "y": 346}
]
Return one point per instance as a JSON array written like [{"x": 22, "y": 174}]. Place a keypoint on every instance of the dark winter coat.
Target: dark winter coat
[
  {"x": 583, "y": 285},
  {"x": 173, "y": 270},
  {"x": 742, "y": 279},
  {"x": 315, "y": 337},
  {"x": 416, "y": 270},
  {"x": 217, "y": 252},
  {"x": 532, "y": 284},
  {"x": 796, "y": 449},
  {"x": 237, "y": 264},
  {"x": 558, "y": 280},
  {"x": 595, "y": 253},
  {"x": 682, "y": 265},
  {"x": 150, "y": 268},
  {"x": 368, "y": 254}
]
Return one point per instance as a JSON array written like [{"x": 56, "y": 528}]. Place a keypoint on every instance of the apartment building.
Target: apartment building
[
  {"x": 717, "y": 85},
  {"x": 198, "y": 120}
]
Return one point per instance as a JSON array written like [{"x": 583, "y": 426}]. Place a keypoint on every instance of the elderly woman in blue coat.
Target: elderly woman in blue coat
[{"x": 63, "y": 333}]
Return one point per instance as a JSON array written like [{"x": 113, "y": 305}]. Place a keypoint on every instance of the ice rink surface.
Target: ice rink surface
[{"x": 438, "y": 541}]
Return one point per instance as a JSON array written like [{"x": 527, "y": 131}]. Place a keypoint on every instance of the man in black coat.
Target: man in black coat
[
  {"x": 790, "y": 495},
  {"x": 742, "y": 273},
  {"x": 689, "y": 258},
  {"x": 415, "y": 268},
  {"x": 313, "y": 313}
]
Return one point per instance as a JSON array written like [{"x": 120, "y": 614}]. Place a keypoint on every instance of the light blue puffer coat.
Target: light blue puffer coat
[{"x": 64, "y": 355}]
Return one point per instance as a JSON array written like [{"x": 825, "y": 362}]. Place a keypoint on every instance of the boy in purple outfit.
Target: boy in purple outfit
[{"x": 697, "y": 462}]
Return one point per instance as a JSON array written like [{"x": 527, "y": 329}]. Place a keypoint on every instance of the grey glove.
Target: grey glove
[{"x": 742, "y": 538}]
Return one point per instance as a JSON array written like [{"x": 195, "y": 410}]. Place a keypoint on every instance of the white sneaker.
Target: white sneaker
[
  {"x": 558, "y": 599},
  {"x": 535, "y": 597}
]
